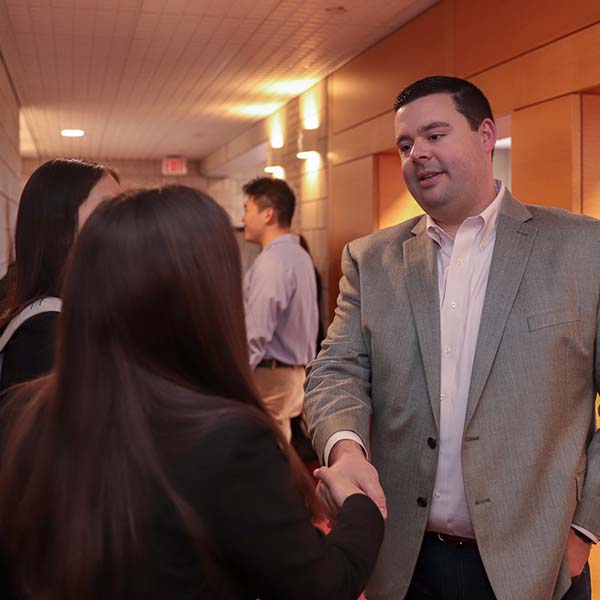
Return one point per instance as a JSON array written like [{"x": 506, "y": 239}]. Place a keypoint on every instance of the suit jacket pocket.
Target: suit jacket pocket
[{"x": 552, "y": 318}]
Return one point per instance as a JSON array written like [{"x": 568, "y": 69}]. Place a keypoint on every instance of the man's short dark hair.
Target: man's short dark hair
[
  {"x": 468, "y": 99},
  {"x": 274, "y": 193}
]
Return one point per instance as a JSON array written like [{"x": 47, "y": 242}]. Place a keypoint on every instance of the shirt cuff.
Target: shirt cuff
[
  {"x": 338, "y": 436},
  {"x": 593, "y": 538}
]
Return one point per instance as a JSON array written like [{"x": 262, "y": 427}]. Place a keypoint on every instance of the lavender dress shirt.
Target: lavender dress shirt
[{"x": 280, "y": 301}]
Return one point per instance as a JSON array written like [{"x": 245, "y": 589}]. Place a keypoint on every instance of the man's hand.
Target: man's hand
[
  {"x": 578, "y": 552},
  {"x": 349, "y": 467}
]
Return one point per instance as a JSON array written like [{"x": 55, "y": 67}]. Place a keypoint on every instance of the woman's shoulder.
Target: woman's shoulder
[
  {"x": 35, "y": 335},
  {"x": 233, "y": 424},
  {"x": 30, "y": 351},
  {"x": 41, "y": 323},
  {"x": 218, "y": 430},
  {"x": 232, "y": 442}
]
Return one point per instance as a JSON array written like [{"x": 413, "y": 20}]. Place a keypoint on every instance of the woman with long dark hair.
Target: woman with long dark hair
[
  {"x": 144, "y": 465},
  {"x": 54, "y": 204}
]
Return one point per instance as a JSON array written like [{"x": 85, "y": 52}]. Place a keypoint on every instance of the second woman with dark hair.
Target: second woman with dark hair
[
  {"x": 144, "y": 465},
  {"x": 54, "y": 204}
]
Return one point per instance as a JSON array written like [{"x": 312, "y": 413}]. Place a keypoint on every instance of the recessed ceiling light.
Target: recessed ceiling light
[{"x": 72, "y": 132}]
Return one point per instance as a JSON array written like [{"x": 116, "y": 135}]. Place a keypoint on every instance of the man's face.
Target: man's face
[
  {"x": 254, "y": 220},
  {"x": 446, "y": 165}
]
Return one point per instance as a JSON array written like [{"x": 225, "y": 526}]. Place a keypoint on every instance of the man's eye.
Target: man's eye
[
  {"x": 434, "y": 137},
  {"x": 405, "y": 149}
]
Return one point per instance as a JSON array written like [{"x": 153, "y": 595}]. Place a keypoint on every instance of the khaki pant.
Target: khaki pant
[{"x": 282, "y": 393}]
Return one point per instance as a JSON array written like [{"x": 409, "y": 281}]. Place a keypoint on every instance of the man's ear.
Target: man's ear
[
  {"x": 487, "y": 130},
  {"x": 270, "y": 216}
]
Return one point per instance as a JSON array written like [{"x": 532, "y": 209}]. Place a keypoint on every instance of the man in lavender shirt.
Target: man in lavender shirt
[
  {"x": 280, "y": 300},
  {"x": 458, "y": 379}
]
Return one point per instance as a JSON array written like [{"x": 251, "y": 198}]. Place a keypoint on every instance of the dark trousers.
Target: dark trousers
[{"x": 451, "y": 571}]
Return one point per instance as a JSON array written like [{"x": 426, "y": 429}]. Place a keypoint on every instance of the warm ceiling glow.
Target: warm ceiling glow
[
  {"x": 257, "y": 110},
  {"x": 276, "y": 171},
  {"x": 292, "y": 87},
  {"x": 72, "y": 132},
  {"x": 276, "y": 130}
]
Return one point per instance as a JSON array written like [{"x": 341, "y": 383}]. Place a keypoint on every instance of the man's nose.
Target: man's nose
[{"x": 420, "y": 151}]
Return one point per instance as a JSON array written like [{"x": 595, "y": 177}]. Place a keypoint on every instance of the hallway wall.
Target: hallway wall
[{"x": 10, "y": 165}]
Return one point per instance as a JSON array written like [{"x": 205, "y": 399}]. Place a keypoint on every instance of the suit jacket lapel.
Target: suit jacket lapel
[
  {"x": 420, "y": 266},
  {"x": 514, "y": 240}
]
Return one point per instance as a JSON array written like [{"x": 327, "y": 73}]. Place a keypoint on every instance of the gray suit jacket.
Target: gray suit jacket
[{"x": 530, "y": 458}]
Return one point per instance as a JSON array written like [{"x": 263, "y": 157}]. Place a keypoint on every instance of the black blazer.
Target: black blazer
[
  {"x": 238, "y": 482},
  {"x": 30, "y": 351}
]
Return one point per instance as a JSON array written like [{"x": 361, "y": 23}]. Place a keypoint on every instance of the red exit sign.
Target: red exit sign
[{"x": 174, "y": 165}]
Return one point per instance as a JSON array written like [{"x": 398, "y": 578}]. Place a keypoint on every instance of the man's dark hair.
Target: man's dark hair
[
  {"x": 274, "y": 193},
  {"x": 468, "y": 99}
]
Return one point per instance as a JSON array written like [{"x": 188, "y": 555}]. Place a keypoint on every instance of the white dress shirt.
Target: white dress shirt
[{"x": 463, "y": 266}]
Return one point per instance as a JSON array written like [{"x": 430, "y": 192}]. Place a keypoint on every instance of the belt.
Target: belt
[
  {"x": 446, "y": 538},
  {"x": 273, "y": 363}
]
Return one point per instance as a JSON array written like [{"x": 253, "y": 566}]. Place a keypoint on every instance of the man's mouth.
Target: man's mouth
[{"x": 426, "y": 175}]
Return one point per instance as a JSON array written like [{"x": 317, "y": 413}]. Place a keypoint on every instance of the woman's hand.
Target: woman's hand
[{"x": 338, "y": 486}]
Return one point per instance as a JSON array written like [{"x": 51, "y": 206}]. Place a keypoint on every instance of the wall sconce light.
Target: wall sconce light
[
  {"x": 310, "y": 103},
  {"x": 277, "y": 171},
  {"x": 308, "y": 150},
  {"x": 276, "y": 131},
  {"x": 308, "y": 144},
  {"x": 275, "y": 162}
]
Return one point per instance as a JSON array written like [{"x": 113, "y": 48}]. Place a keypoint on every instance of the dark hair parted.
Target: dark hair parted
[
  {"x": 468, "y": 99},
  {"x": 151, "y": 354},
  {"x": 46, "y": 227},
  {"x": 274, "y": 193}
]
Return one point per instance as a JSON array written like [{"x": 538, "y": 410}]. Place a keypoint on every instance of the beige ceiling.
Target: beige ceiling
[{"x": 147, "y": 78}]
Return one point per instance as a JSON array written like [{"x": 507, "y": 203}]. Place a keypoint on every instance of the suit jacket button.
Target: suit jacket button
[
  {"x": 431, "y": 442},
  {"x": 421, "y": 502}
]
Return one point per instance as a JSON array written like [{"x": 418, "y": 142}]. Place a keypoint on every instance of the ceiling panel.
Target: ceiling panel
[{"x": 147, "y": 78}]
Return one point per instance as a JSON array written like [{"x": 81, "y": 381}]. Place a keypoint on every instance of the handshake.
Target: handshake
[{"x": 350, "y": 473}]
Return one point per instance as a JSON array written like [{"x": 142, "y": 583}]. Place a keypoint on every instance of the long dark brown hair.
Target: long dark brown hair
[
  {"x": 152, "y": 332},
  {"x": 46, "y": 228}
]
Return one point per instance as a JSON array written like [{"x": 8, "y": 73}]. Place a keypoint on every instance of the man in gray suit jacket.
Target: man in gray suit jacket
[{"x": 457, "y": 381}]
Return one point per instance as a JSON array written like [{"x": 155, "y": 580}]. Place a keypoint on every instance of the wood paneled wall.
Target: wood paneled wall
[
  {"x": 489, "y": 32},
  {"x": 570, "y": 64},
  {"x": 590, "y": 155},
  {"x": 353, "y": 212},
  {"x": 368, "y": 85},
  {"x": 533, "y": 59},
  {"x": 546, "y": 153}
]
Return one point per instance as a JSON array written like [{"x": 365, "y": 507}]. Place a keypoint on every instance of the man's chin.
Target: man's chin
[{"x": 429, "y": 199}]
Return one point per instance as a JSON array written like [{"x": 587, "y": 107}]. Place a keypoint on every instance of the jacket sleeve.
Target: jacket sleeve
[
  {"x": 258, "y": 521},
  {"x": 338, "y": 386}
]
